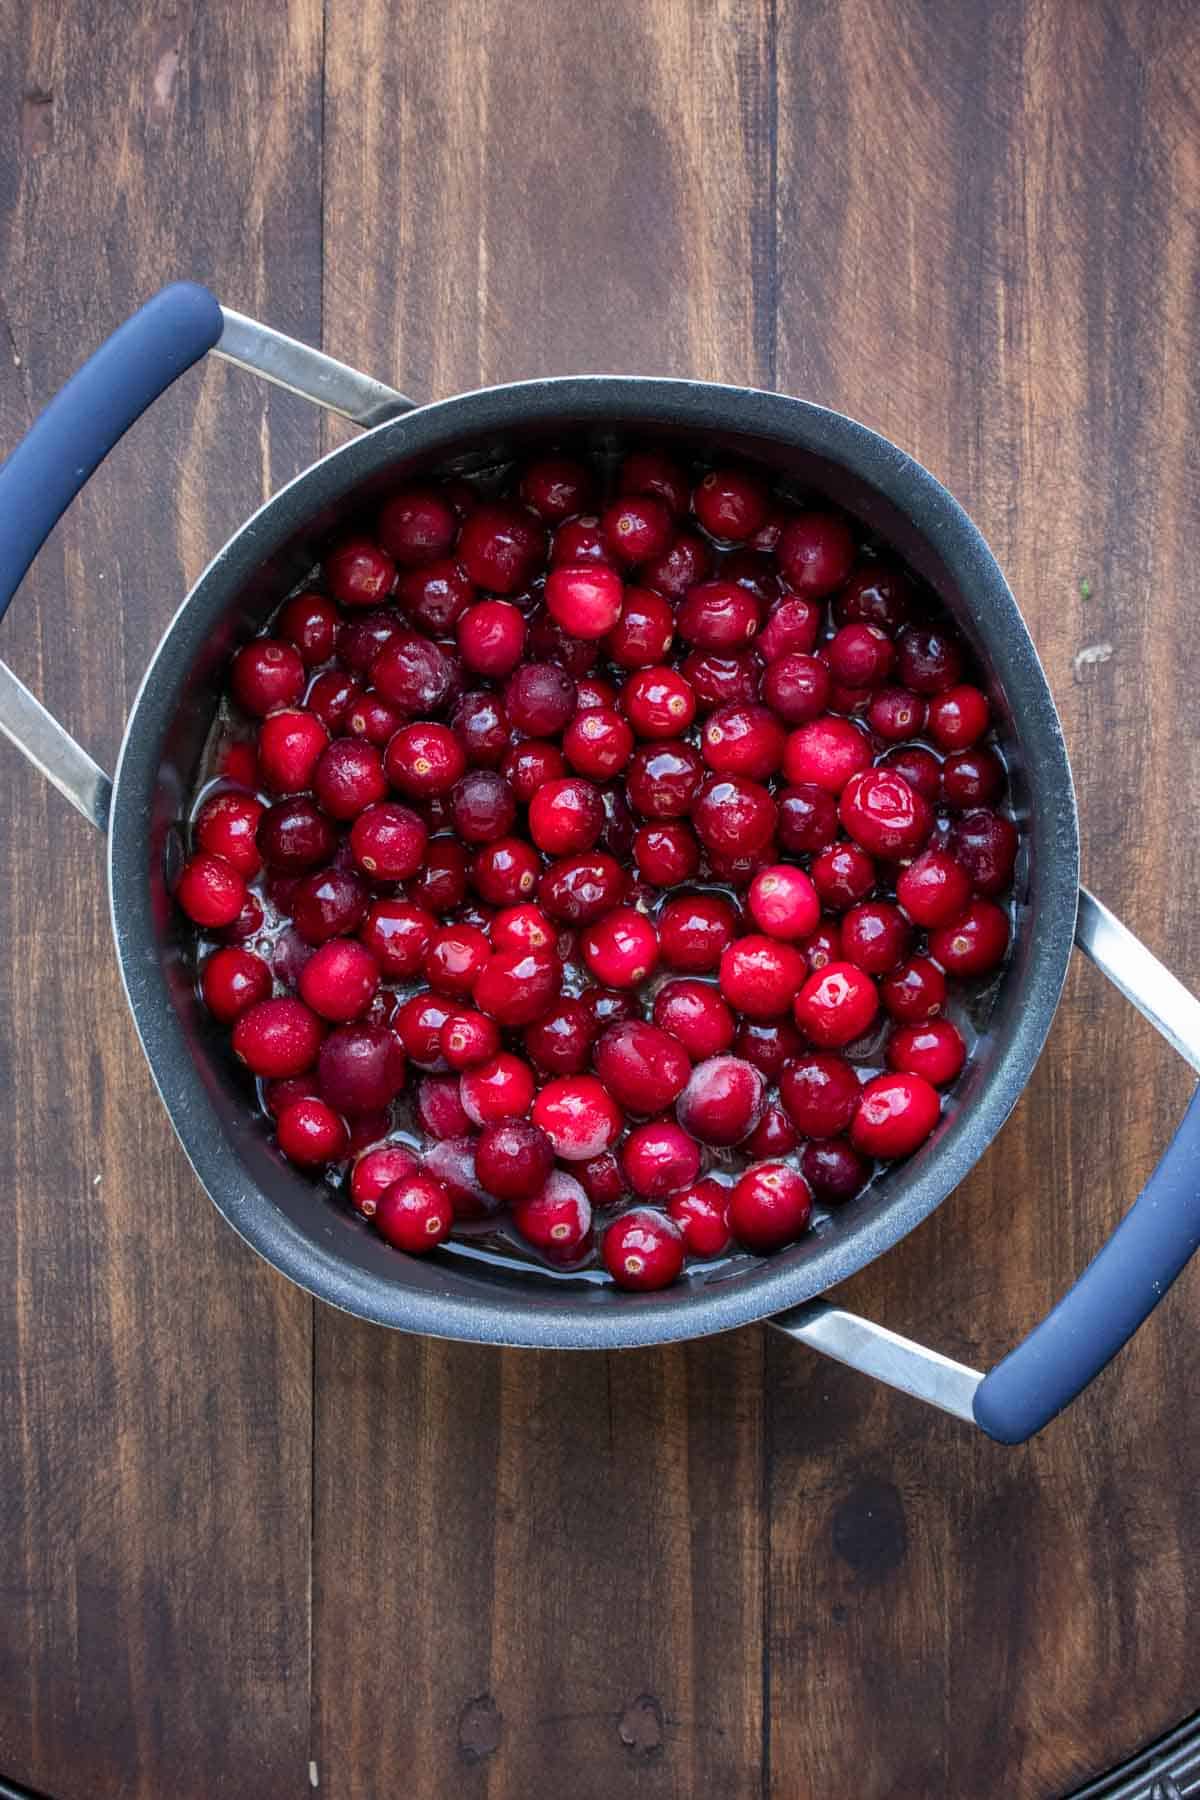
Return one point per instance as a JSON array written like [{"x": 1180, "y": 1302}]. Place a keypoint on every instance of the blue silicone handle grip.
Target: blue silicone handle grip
[
  {"x": 1115, "y": 1293},
  {"x": 74, "y": 434}
]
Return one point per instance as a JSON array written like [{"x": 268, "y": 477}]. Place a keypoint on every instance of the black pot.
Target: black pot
[{"x": 282, "y": 1213}]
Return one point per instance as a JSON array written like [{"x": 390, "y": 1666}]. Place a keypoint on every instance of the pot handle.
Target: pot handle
[{"x": 1116, "y": 1292}]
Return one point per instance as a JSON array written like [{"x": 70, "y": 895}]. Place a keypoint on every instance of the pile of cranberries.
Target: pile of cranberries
[{"x": 611, "y": 844}]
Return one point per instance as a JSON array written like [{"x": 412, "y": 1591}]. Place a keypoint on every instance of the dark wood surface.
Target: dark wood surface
[{"x": 244, "y": 1540}]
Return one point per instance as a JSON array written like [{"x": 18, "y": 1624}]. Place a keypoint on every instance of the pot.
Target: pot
[{"x": 282, "y": 1213}]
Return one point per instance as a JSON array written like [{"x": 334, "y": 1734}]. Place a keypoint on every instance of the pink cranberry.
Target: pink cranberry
[
  {"x": 555, "y": 487},
  {"x": 836, "y": 1005},
  {"x": 505, "y": 872},
  {"x": 375, "y": 1172},
  {"x": 513, "y": 1159},
  {"x": 791, "y": 629},
  {"x": 654, "y": 472},
  {"x": 265, "y": 675},
  {"x": 760, "y": 976},
  {"x": 976, "y": 944},
  {"x": 934, "y": 1050},
  {"x": 659, "y": 702},
  {"x": 435, "y": 597},
  {"x": 566, "y": 816},
  {"x": 770, "y": 1044},
  {"x": 928, "y": 659},
  {"x": 388, "y": 841},
  {"x": 418, "y": 1024},
  {"x": 578, "y": 541},
  {"x": 361, "y": 1068},
  {"x": 360, "y": 640},
  {"x": 529, "y": 765},
  {"x": 309, "y": 622},
  {"x": 330, "y": 698},
  {"x": 602, "y": 1180},
  {"x": 702, "y": 1215},
  {"x": 635, "y": 527},
  {"x": 985, "y": 844},
  {"x": 723, "y": 1100},
  {"x": 884, "y": 814},
  {"x": 796, "y": 688},
  {"x": 820, "y": 1094},
  {"x": 783, "y": 902},
  {"x": 815, "y": 553},
  {"x": 439, "y": 1109},
  {"x": 540, "y": 699},
  {"x": 557, "y": 1220},
  {"x": 310, "y": 1133},
  {"x": 718, "y": 615},
  {"x": 770, "y": 1206},
  {"x": 454, "y": 959},
  {"x": 501, "y": 546},
  {"x": 915, "y": 991},
  {"x": 276, "y": 1038},
  {"x": 468, "y": 1038},
  {"x": 772, "y": 1137},
  {"x": 339, "y": 979},
  {"x": 491, "y": 638},
  {"x": 415, "y": 1214},
  {"x": 515, "y": 987},
  {"x": 875, "y": 937},
  {"x": 412, "y": 673},
  {"x": 694, "y": 1013},
  {"x": 919, "y": 767},
  {"x": 417, "y": 526},
  {"x": 643, "y": 1067},
  {"x": 721, "y": 680},
  {"x": 579, "y": 1116},
  {"x": 894, "y": 714},
  {"x": 643, "y": 634},
  {"x": 958, "y": 717},
  {"x": 481, "y": 726},
  {"x": 397, "y": 934},
  {"x": 685, "y": 561},
  {"x": 578, "y": 890},
  {"x": 733, "y": 816},
  {"x": 621, "y": 950},
  {"x": 971, "y": 777},
  {"x": 877, "y": 593},
  {"x": 659, "y": 1159},
  {"x": 233, "y": 981},
  {"x": 424, "y": 759},
  {"x": 833, "y": 1170},
  {"x": 560, "y": 1042},
  {"x": 500, "y": 1089},
  {"x": 731, "y": 503},
  {"x": 825, "y": 754},
  {"x": 643, "y": 1250},
  {"x": 896, "y": 1114},
  {"x": 808, "y": 818},
  {"x": 663, "y": 778},
  {"x": 743, "y": 740},
  {"x": 210, "y": 890}
]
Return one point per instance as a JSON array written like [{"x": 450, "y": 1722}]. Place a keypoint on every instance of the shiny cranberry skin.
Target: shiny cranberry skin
[
  {"x": 580, "y": 889},
  {"x": 602, "y": 1180},
  {"x": 557, "y": 1220},
  {"x": 373, "y": 718},
  {"x": 225, "y": 827},
  {"x": 310, "y": 1133},
  {"x": 685, "y": 562},
  {"x": 666, "y": 854},
  {"x": 361, "y": 1068},
  {"x": 975, "y": 944},
  {"x": 718, "y": 615},
  {"x": 330, "y": 698},
  {"x": 360, "y": 640},
  {"x": 513, "y": 1159},
  {"x": 643, "y": 1250},
  {"x": 530, "y": 765},
  {"x": 928, "y": 659},
  {"x": 248, "y": 923},
  {"x": 515, "y": 987},
  {"x": 875, "y": 937},
  {"x": 815, "y": 553},
  {"x": 919, "y": 767},
  {"x": 860, "y": 656},
  {"x": 694, "y": 1013},
  {"x": 934, "y": 1050},
  {"x": 424, "y": 759},
  {"x": 560, "y": 1042},
  {"x": 621, "y": 949},
  {"x": 896, "y": 1114},
  {"x": 585, "y": 599},
  {"x": 358, "y": 573},
  {"x": 210, "y": 890},
  {"x": 723, "y": 1100},
  {"x": 491, "y": 638},
  {"x": 770, "y": 1044},
  {"x": 658, "y": 703},
  {"x": 389, "y": 841},
  {"x": 702, "y": 1215},
  {"x": 760, "y": 976},
  {"x": 277, "y": 1038},
  {"x": 555, "y": 487},
  {"x": 783, "y": 902},
  {"x": 934, "y": 889},
  {"x": 894, "y": 714},
  {"x": 348, "y": 778},
  {"x": 642, "y": 1066},
  {"x": 578, "y": 541},
  {"x": 339, "y": 980},
  {"x": 848, "y": 700},
  {"x": 417, "y": 526},
  {"x": 598, "y": 742},
  {"x": 833, "y": 1170},
  {"x": 523, "y": 927},
  {"x": 773, "y": 1136},
  {"x": 721, "y": 680},
  {"x": 418, "y": 1025},
  {"x": 309, "y": 622},
  {"x": 469, "y": 1038},
  {"x": 482, "y": 807},
  {"x": 437, "y": 596},
  {"x": 820, "y": 1094},
  {"x": 233, "y": 981},
  {"x": 500, "y": 1089},
  {"x": 791, "y": 628},
  {"x": 659, "y": 1158},
  {"x": 823, "y": 946},
  {"x": 439, "y": 1108},
  {"x": 985, "y": 844},
  {"x": 579, "y": 1116},
  {"x": 635, "y": 527},
  {"x": 290, "y": 744},
  {"x": 836, "y": 1005},
  {"x": 375, "y": 1172},
  {"x": 412, "y": 673},
  {"x": 877, "y": 593},
  {"x": 662, "y": 779},
  {"x": 609, "y": 1006},
  {"x": 733, "y": 817},
  {"x": 694, "y": 930},
  {"x": 653, "y": 472},
  {"x": 441, "y": 883},
  {"x": 397, "y": 934},
  {"x": 566, "y": 816},
  {"x": 743, "y": 740},
  {"x": 808, "y": 818},
  {"x": 643, "y": 634},
  {"x": 959, "y": 717},
  {"x": 884, "y": 814},
  {"x": 972, "y": 777},
  {"x": 454, "y": 959},
  {"x": 327, "y": 903},
  {"x": 769, "y": 1206},
  {"x": 915, "y": 991},
  {"x": 738, "y": 871},
  {"x": 266, "y": 675},
  {"x": 825, "y": 754},
  {"x": 796, "y": 688},
  {"x": 540, "y": 699},
  {"x": 415, "y": 1215},
  {"x": 506, "y": 872},
  {"x": 731, "y": 503},
  {"x": 501, "y": 546}
]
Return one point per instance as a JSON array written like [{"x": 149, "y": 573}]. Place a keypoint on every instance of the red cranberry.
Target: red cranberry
[
  {"x": 971, "y": 777},
  {"x": 860, "y": 656},
  {"x": 602, "y": 1180},
  {"x": 233, "y": 981},
  {"x": 643, "y": 634},
  {"x": 348, "y": 778},
  {"x": 360, "y": 640},
  {"x": 566, "y": 816},
  {"x": 617, "y": 837},
  {"x": 437, "y": 596},
  {"x": 702, "y": 1215},
  {"x": 644, "y": 1068},
  {"x": 875, "y": 937},
  {"x": 248, "y": 923},
  {"x": 643, "y": 1250},
  {"x": 578, "y": 541},
  {"x": 585, "y": 598},
  {"x": 359, "y": 573},
  {"x": 791, "y": 629},
  {"x": 579, "y": 1116},
  {"x": 239, "y": 763},
  {"x": 820, "y": 1094},
  {"x": 580, "y": 889},
  {"x": 483, "y": 807},
  {"x": 609, "y": 1006},
  {"x": 501, "y": 546},
  {"x": 397, "y": 935},
  {"x": 560, "y": 1042},
  {"x": 540, "y": 699},
  {"x": 225, "y": 827},
  {"x": 816, "y": 554},
  {"x": 685, "y": 561},
  {"x": 985, "y": 844},
  {"x": 468, "y": 1039},
  {"x": 413, "y": 673},
  {"x": 694, "y": 1013},
  {"x": 555, "y": 487},
  {"x": 769, "y": 1044},
  {"x": 895, "y": 1116},
  {"x": 928, "y": 659},
  {"x": 523, "y": 927},
  {"x": 760, "y": 977},
  {"x": 718, "y": 615},
  {"x": 808, "y": 818},
  {"x": 455, "y": 958},
  {"x": 823, "y": 946},
  {"x": 796, "y": 687},
  {"x": 621, "y": 950},
  {"x": 915, "y": 991},
  {"x": 733, "y": 816},
  {"x": 654, "y": 472},
  {"x": 500, "y": 1089},
  {"x": 694, "y": 930},
  {"x": 598, "y": 742},
  {"x": 309, "y": 622},
  {"x": 375, "y": 1172},
  {"x": 783, "y": 902},
  {"x": 290, "y": 744},
  {"x": 959, "y": 717},
  {"x": 723, "y": 1100},
  {"x": 976, "y": 944},
  {"x": 894, "y": 714},
  {"x": 418, "y": 1025},
  {"x": 388, "y": 841},
  {"x": 505, "y": 872},
  {"x": 417, "y": 526},
  {"x": 770, "y": 1206},
  {"x": 833, "y": 1170},
  {"x": 743, "y": 740},
  {"x": 737, "y": 870},
  {"x": 721, "y": 680},
  {"x": 210, "y": 891},
  {"x": 919, "y": 767},
  {"x": 310, "y": 1133},
  {"x": 666, "y": 854},
  {"x": 635, "y": 527},
  {"x": 934, "y": 1050},
  {"x": 848, "y": 700},
  {"x": 825, "y": 754},
  {"x": 836, "y": 1005},
  {"x": 452, "y": 1162},
  {"x": 934, "y": 889},
  {"x": 491, "y": 638},
  {"x": 663, "y": 778},
  {"x": 731, "y": 503},
  {"x": 557, "y": 1220},
  {"x": 339, "y": 980},
  {"x": 877, "y": 593},
  {"x": 276, "y": 1038},
  {"x": 884, "y": 814},
  {"x": 424, "y": 759},
  {"x": 265, "y": 675},
  {"x": 330, "y": 698},
  {"x": 772, "y": 1137},
  {"x": 530, "y": 765},
  {"x": 481, "y": 726},
  {"x": 373, "y": 718},
  {"x": 515, "y": 987},
  {"x": 658, "y": 703},
  {"x": 513, "y": 1159},
  {"x": 659, "y": 1159},
  {"x": 415, "y": 1215},
  {"x": 289, "y": 953},
  {"x": 361, "y": 1068},
  {"x": 439, "y": 1109}
]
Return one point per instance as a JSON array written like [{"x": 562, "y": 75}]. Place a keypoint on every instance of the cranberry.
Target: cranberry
[
  {"x": 877, "y": 593},
  {"x": 985, "y": 843},
  {"x": 585, "y": 599},
  {"x": 602, "y": 1180},
  {"x": 361, "y": 1067},
  {"x": 718, "y": 615},
  {"x": 454, "y": 959},
  {"x": 833, "y": 1170},
  {"x": 731, "y": 503},
  {"x": 348, "y": 778},
  {"x": 468, "y": 1038},
  {"x": 823, "y": 946},
  {"x": 309, "y": 622},
  {"x": 918, "y": 766},
  {"x": 248, "y": 923},
  {"x": 769, "y": 1044},
  {"x": 481, "y": 726},
  {"x": 721, "y": 680},
  {"x": 578, "y": 890},
  {"x": 290, "y": 744},
  {"x": 225, "y": 827},
  {"x": 560, "y": 1042},
  {"x": 666, "y": 854},
  {"x": 566, "y": 816},
  {"x": 643, "y": 1250},
  {"x": 540, "y": 699},
  {"x": 928, "y": 659},
  {"x": 875, "y": 937},
  {"x": 397, "y": 934},
  {"x": 439, "y": 1108},
  {"x": 663, "y": 778},
  {"x": 971, "y": 777},
  {"x": 358, "y": 573},
  {"x": 643, "y": 1067},
  {"x": 233, "y": 981},
  {"x": 723, "y": 1100},
  {"x": 491, "y": 638},
  {"x": 772, "y": 1137},
  {"x": 522, "y": 928},
  {"x": 515, "y": 987},
  {"x": 609, "y": 1006},
  {"x": 935, "y": 889},
  {"x": 513, "y": 1159},
  {"x": 289, "y": 953},
  {"x": 578, "y": 541},
  {"x": 884, "y": 814},
  {"x": 791, "y": 629},
  {"x": 894, "y": 714},
  {"x": 375, "y": 1172},
  {"x": 815, "y": 553},
  {"x": 389, "y": 841},
  {"x": 860, "y": 656},
  {"x": 339, "y": 979},
  {"x": 598, "y": 742},
  {"x": 529, "y": 765},
  {"x": 417, "y": 526},
  {"x": 419, "y": 1024},
  {"x": 557, "y": 1220},
  {"x": 437, "y": 596},
  {"x": 759, "y": 976},
  {"x": 621, "y": 950},
  {"x": 694, "y": 1013},
  {"x": 658, "y": 702},
  {"x": 770, "y": 1206},
  {"x": 702, "y": 1215},
  {"x": 452, "y": 1162},
  {"x": 500, "y": 1089},
  {"x": 413, "y": 673},
  {"x": 277, "y": 1037},
  {"x": 915, "y": 991},
  {"x": 737, "y": 870},
  {"x": 743, "y": 740},
  {"x": 373, "y": 718},
  {"x": 976, "y": 944},
  {"x": 659, "y": 1159},
  {"x": 825, "y": 754},
  {"x": 415, "y": 1215},
  {"x": 848, "y": 700},
  {"x": 896, "y": 1114},
  {"x": 210, "y": 890},
  {"x": 934, "y": 1050},
  {"x": 796, "y": 687},
  {"x": 265, "y": 675},
  {"x": 555, "y": 487},
  {"x": 635, "y": 527},
  {"x": 483, "y": 807},
  {"x": 685, "y": 561},
  {"x": 694, "y": 930},
  {"x": 360, "y": 641},
  {"x": 836, "y": 1005},
  {"x": 579, "y": 1116},
  {"x": 424, "y": 759},
  {"x": 958, "y": 717},
  {"x": 654, "y": 472},
  {"x": 505, "y": 872},
  {"x": 310, "y": 1133},
  {"x": 808, "y": 818},
  {"x": 330, "y": 698},
  {"x": 733, "y": 816},
  {"x": 501, "y": 546},
  {"x": 643, "y": 634},
  {"x": 783, "y": 902},
  {"x": 820, "y": 1094}
]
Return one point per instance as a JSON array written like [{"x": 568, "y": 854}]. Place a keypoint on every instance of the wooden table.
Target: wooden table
[{"x": 247, "y": 1544}]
